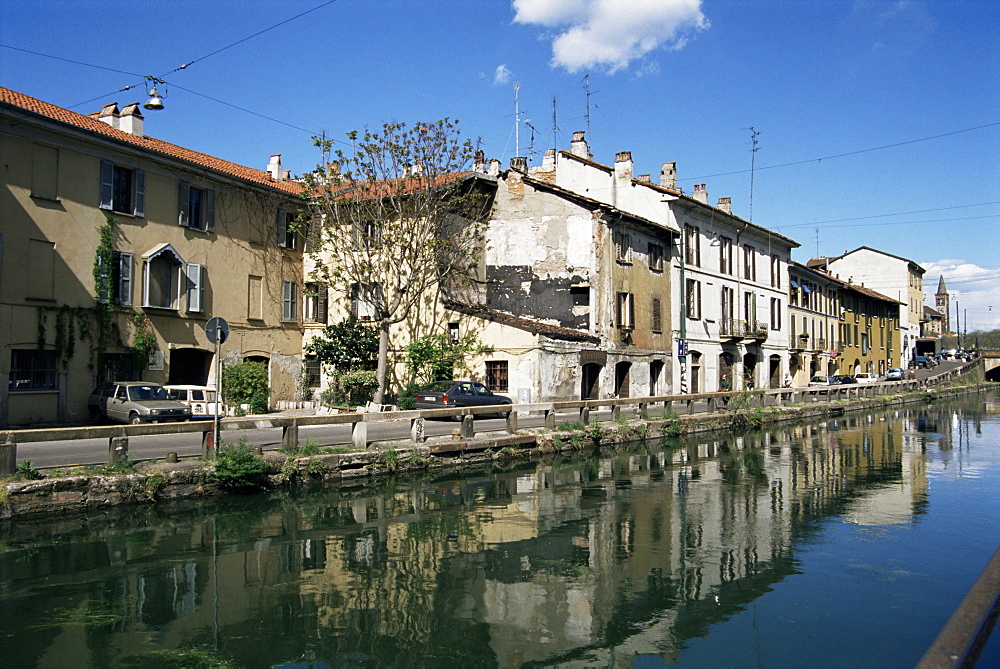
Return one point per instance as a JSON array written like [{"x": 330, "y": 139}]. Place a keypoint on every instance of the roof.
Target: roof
[
  {"x": 814, "y": 262},
  {"x": 595, "y": 204},
  {"x": 526, "y": 324},
  {"x": 813, "y": 268},
  {"x": 9, "y": 98},
  {"x": 931, "y": 311}
]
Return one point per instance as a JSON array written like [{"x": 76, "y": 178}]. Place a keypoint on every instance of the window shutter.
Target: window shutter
[
  {"x": 321, "y": 304},
  {"x": 195, "y": 287},
  {"x": 209, "y": 210},
  {"x": 125, "y": 279},
  {"x": 107, "y": 184},
  {"x": 657, "y": 318},
  {"x": 140, "y": 192},
  {"x": 282, "y": 228},
  {"x": 184, "y": 205}
]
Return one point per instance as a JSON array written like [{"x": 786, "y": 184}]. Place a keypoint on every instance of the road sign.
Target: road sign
[
  {"x": 682, "y": 347},
  {"x": 217, "y": 326}
]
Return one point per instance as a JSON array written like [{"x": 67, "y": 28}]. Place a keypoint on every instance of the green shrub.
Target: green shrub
[
  {"x": 406, "y": 399},
  {"x": 246, "y": 383},
  {"x": 238, "y": 469},
  {"x": 27, "y": 472}
]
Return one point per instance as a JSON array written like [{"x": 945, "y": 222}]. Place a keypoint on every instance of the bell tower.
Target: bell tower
[{"x": 943, "y": 304}]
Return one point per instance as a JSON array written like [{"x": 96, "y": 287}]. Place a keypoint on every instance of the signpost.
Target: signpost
[{"x": 217, "y": 331}]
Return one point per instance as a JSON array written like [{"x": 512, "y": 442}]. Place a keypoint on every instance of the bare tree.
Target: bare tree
[{"x": 396, "y": 220}]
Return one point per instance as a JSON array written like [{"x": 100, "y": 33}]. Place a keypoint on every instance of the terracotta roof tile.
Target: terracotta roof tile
[{"x": 51, "y": 111}]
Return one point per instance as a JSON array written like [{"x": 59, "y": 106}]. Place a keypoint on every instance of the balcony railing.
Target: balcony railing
[{"x": 737, "y": 329}]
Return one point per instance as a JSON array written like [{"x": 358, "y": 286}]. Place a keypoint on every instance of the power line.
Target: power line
[
  {"x": 848, "y": 153},
  {"x": 902, "y": 213}
]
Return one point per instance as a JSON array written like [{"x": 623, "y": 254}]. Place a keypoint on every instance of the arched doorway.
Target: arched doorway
[
  {"x": 655, "y": 372},
  {"x": 794, "y": 367},
  {"x": 774, "y": 372},
  {"x": 749, "y": 371},
  {"x": 589, "y": 383},
  {"x": 623, "y": 378},
  {"x": 696, "y": 380},
  {"x": 726, "y": 370},
  {"x": 189, "y": 366}
]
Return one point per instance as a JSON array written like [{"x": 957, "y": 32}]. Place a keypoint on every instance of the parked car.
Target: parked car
[
  {"x": 448, "y": 394},
  {"x": 895, "y": 374},
  {"x": 865, "y": 377},
  {"x": 134, "y": 402},
  {"x": 822, "y": 380},
  {"x": 949, "y": 353},
  {"x": 201, "y": 399},
  {"x": 843, "y": 378}
]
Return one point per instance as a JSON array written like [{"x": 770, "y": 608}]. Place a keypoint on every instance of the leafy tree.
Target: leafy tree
[
  {"x": 345, "y": 346},
  {"x": 246, "y": 383},
  {"x": 434, "y": 357},
  {"x": 397, "y": 221}
]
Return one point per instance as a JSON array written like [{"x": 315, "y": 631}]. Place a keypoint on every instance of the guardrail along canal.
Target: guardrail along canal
[{"x": 847, "y": 542}]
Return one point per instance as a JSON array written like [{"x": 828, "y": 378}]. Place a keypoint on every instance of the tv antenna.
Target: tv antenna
[
  {"x": 753, "y": 161},
  {"x": 534, "y": 131},
  {"x": 587, "y": 107},
  {"x": 517, "y": 120},
  {"x": 555, "y": 127}
]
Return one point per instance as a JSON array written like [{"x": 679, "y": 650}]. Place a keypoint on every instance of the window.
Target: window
[
  {"x": 310, "y": 371},
  {"x": 623, "y": 247},
  {"x": 364, "y": 300},
  {"x": 287, "y": 229},
  {"x": 314, "y": 303},
  {"x": 749, "y": 263},
  {"x": 657, "y": 316},
  {"x": 367, "y": 235},
  {"x": 775, "y": 271},
  {"x": 728, "y": 305},
  {"x": 124, "y": 291},
  {"x": 775, "y": 313},
  {"x": 655, "y": 252},
  {"x": 162, "y": 269},
  {"x": 45, "y": 172},
  {"x": 195, "y": 288},
  {"x": 32, "y": 369},
  {"x": 725, "y": 255},
  {"x": 496, "y": 375},
  {"x": 750, "y": 308},
  {"x": 123, "y": 189},
  {"x": 692, "y": 298},
  {"x": 625, "y": 311},
  {"x": 289, "y": 301},
  {"x": 197, "y": 208},
  {"x": 692, "y": 246}
]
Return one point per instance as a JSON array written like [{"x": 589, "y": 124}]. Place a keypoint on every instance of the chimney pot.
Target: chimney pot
[
  {"x": 274, "y": 167},
  {"x": 130, "y": 120},
  {"x": 623, "y": 165},
  {"x": 726, "y": 204},
  {"x": 519, "y": 163},
  {"x": 579, "y": 145},
  {"x": 668, "y": 175}
]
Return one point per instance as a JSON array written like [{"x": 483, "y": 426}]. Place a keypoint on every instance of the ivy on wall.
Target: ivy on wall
[{"x": 100, "y": 324}]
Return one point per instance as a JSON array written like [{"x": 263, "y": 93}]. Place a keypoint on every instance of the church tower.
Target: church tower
[{"x": 942, "y": 304}]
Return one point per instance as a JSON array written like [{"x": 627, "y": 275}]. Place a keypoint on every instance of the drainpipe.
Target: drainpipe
[
  {"x": 682, "y": 357},
  {"x": 738, "y": 305}
]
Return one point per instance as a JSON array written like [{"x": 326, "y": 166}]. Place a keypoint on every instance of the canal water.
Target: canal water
[{"x": 842, "y": 543}]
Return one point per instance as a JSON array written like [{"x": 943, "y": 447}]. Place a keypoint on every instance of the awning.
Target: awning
[
  {"x": 795, "y": 284},
  {"x": 806, "y": 288}
]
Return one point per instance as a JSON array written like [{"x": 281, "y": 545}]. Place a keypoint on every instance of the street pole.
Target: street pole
[
  {"x": 218, "y": 387},
  {"x": 683, "y": 292}
]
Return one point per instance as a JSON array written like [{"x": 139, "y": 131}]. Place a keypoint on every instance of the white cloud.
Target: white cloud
[
  {"x": 610, "y": 34},
  {"x": 501, "y": 75},
  {"x": 977, "y": 290}
]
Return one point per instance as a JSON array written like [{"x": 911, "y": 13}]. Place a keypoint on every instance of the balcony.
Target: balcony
[{"x": 732, "y": 328}]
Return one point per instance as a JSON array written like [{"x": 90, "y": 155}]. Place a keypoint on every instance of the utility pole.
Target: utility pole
[{"x": 753, "y": 163}]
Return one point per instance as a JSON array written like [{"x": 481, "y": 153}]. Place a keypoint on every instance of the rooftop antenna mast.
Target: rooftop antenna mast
[
  {"x": 534, "y": 131},
  {"x": 753, "y": 161},
  {"x": 587, "y": 107},
  {"x": 555, "y": 128},
  {"x": 517, "y": 120}
]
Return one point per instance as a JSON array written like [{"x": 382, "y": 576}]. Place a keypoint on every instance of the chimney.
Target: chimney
[
  {"x": 623, "y": 165},
  {"x": 479, "y": 163},
  {"x": 274, "y": 167},
  {"x": 645, "y": 178},
  {"x": 130, "y": 120},
  {"x": 726, "y": 204},
  {"x": 668, "y": 175},
  {"x": 333, "y": 169},
  {"x": 519, "y": 163},
  {"x": 578, "y": 147},
  {"x": 700, "y": 193},
  {"x": 494, "y": 168},
  {"x": 109, "y": 114},
  {"x": 549, "y": 161}
]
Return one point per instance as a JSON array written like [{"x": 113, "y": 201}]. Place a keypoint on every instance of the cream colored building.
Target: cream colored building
[{"x": 184, "y": 236}]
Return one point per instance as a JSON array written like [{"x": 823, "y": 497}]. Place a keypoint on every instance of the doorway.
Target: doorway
[
  {"x": 623, "y": 378},
  {"x": 589, "y": 384},
  {"x": 189, "y": 366}
]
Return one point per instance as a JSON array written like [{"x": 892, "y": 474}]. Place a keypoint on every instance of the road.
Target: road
[{"x": 67, "y": 454}]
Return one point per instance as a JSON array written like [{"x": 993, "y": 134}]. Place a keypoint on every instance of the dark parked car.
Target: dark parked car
[
  {"x": 134, "y": 402},
  {"x": 844, "y": 378},
  {"x": 450, "y": 394}
]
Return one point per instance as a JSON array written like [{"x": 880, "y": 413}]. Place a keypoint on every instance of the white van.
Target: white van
[{"x": 201, "y": 399}]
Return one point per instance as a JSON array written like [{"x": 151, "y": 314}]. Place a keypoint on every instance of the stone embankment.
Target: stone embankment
[{"x": 162, "y": 481}]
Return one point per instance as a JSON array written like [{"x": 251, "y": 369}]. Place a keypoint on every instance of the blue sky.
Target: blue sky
[{"x": 878, "y": 121}]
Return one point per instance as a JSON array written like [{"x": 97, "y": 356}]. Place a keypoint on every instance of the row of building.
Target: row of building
[{"x": 595, "y": 281}]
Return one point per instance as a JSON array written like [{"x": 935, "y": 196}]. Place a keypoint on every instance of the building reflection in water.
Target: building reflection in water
[{"x": 591, "y": 558}]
